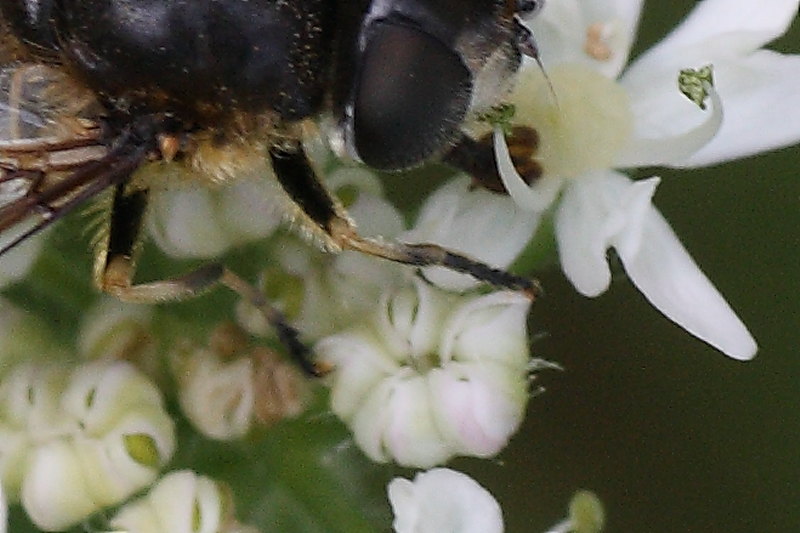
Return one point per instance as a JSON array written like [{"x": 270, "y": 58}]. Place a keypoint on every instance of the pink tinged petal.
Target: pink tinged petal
[
  {"x": 443, "y": 501},
  {"x": 478, "y": 405},
  {"x": 370, "y": 419},
  {"x": 395, "y": 424},
  {"x": 662, "y": 269}
]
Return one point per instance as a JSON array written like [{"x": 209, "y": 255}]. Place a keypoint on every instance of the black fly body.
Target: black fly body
[{"x": 94, "y": 92}]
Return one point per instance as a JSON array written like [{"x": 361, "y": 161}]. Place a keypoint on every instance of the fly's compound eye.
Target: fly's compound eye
[{"x": 411, "y": 95}]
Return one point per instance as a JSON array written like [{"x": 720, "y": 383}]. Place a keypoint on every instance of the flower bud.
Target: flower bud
[
  {"x": 181, "y": 502},
  {"x": 432, "y": 375}
]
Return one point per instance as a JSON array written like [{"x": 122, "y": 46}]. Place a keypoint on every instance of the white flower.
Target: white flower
[
  {"x": 321, "y": 293},
  {"x": 433, "y": 375},
  {"x": 483, "y": 225},
  {"x": 74, "y": 442},
  {"x": 181, "y": 502},
  {"x": 443, "y": 501},
  {"x": 225, "y": 388},
  {"x": 117, "y": 330},
  {"x": 191, "y": 221},
  {"x": 602, "y": 118},
  {"x": 216, "y": 396}
]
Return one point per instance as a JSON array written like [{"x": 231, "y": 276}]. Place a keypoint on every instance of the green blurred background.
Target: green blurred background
[{"x": 669, "y": 433}]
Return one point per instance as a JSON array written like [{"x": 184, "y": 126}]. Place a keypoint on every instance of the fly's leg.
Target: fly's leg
[
  {"x": 115, "y": 267},
  {"x": 476, "y": 158},
  {"x": 298, "y": 178}
]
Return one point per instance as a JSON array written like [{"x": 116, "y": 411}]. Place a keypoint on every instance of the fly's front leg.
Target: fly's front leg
[
  {"x": 324, "y": 213},
  {"x": 115, "y": 267}
]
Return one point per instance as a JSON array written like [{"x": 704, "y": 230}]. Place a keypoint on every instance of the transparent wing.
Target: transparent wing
[{"x": 50, "y": 149}]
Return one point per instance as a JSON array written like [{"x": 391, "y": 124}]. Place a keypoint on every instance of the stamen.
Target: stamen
[{"x": 596, "y": 45}]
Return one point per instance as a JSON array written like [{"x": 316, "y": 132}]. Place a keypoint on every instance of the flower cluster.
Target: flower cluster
[
  {"x": 432, "y": 376},
  {"x": 77, "y": 441},
  {"x": 424, "y": 366}
]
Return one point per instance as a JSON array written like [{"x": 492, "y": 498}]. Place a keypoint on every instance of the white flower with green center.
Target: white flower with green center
[
  {"x": 432, "y": 375},
  {"x": 599, "y": 117},
  {"x": 443, "y": 501},
  {"x": 74, "y": 442}
]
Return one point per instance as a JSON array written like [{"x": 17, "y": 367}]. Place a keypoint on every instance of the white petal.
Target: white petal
[
  {"x": 668, "y": 128},
  {"x": 443, "y": 501},
  {"x": 485, "y": 226},
  {"x": 360, "y": 364},
  {"x": 181, "y": 502},
  {"x": 217, "y": 397},
  {"x": 53, "y": 492},
  {"x": 187, "y": 503},
  {"x": 759, "y": 89},
  {"x": 662, "y": 269},
  {"x": 183, "y": 223},
  {"x": 15, "y": 449},
  {"x": 610, "y": 210},
  {"x": 99, "y": 394},
  {"x": 489, "y": 328},
  {"x": 409, "y": 320},
  {"x": 108, "y": 472},
  {"x": 761, "y": 95},
  {"x": 562, "y": 26},
  {"x": 250, "y": 209},
  {"x": 111, "y": 327},
  {"x": 593, "y": 210},
  {"x": 411, "y": 436},
  {"x": 737, "y": 26},
  {"x": 478, "y": 406}
]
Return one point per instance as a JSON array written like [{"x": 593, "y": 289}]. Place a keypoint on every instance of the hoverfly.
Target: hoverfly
[{"x": 95, "y": 91}]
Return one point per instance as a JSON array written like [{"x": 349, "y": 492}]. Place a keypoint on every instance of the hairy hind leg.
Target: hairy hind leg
[{"x": 115, "y": 266}]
